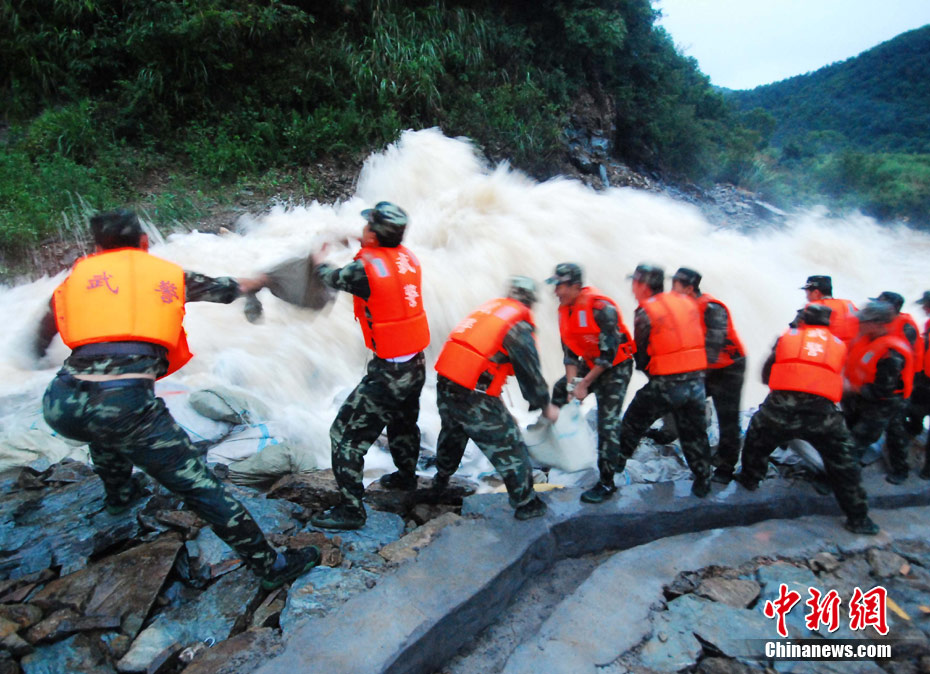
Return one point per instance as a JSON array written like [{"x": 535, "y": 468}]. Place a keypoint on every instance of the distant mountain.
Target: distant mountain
[{"x": 878, "y": 101}]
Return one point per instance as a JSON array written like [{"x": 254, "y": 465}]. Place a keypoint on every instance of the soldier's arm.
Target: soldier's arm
[
  {"x": 796, "y": 321},
  {"x": 569, "y": 357},
  {"x": 641, "y": 329},
  {"x": 715, "y": 338},
  {"x": 887, "y": 377},
  {"x": 605, "y": 315},
  {"x": 351, "y": 278},
  {"x": 767, "y": 365},
  {"x": 46, "y": 331},
  {"x": 203, "y": 288},
  {"x": 910, "y": 334},
  {"x": 521, "y": 347}
]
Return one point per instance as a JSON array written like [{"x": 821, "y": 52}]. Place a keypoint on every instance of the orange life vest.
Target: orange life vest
[
  {"x": 580, "y": 331},
  {"x": 733, "y": 347},
  {"x": 468, "y": 353},
  {"x": 809, "y": 360},
  {"x": 124, "y": 295},
  {"x": 926, "y": 348},
  {"x": 865, "y": 354},
  {"x": 917, "y": 346},
  {"x": 393, "y": 320},
  {"x": 843, "y": 321},
  {"x": 676, "y": 339}
]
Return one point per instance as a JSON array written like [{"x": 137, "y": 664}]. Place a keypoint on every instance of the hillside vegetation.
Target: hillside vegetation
[
  {"x": 210, "y": 94},
  {"x": 174, "y": 105},
  {"x": 852, "y": 133}
]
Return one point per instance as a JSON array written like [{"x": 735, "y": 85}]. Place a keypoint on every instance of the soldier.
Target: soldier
[
  {"x": 843, "y": 323},
  {"x": 493, "y": 342},
  {"x": 804, "y": 373},
  {"x": 597, "y": 350},
  {"x": 670, "y": 350},
  {"x": 726, "y": 368},
  {"x": 121, "y": 311},
  {"x": 384, "y": 277},
  {"x": 880, "y": 376},
  {"x": 919, "y": 403}
]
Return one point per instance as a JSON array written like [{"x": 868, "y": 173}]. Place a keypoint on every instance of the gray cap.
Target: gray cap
[
  {"x": 386, "y": 219},
  {"x": 688, "y": 277},
  {"x": 924, "y": 299},
  {"x": 892, "y": 298},
  {"x": 566, "y": 272},
  {"x": 522, "y": 289},
  {"x": 816, "y": 314},
  {"x": 650, "y": 274},
  {"x": 822, "y": 283},
  {"x": 876, "y": 312}
]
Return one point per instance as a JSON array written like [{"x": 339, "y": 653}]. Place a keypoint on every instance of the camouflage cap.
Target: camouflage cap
[
  {"x": 116, "y": 229},
  {"x": 876, "y": 312},
  {"x": 386, "y": 219},
  {"x": 566, "y": 272},
  {"x": 822, "y": 283},
  {"x": 892, "y": 298},
  {"x": 816, "y": 314},
  {"x": 650, "y": 274},
  {"x": 924, "y": 299},
  {"x": 688, "y": 277},
  {"x": 522, "y": 289}
]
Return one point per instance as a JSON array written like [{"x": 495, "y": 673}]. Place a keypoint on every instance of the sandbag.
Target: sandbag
[
  {"x": 242, "y": 442},
  {"x": 221, "y": 403},
  {"x": 569, "y": 444},
  {"x": 294, "y": 282},
  {"x": 199, "y": 428},
  {"x": 273, "y": 462}
]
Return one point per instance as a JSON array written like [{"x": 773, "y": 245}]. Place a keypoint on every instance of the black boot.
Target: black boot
[
  {"x": 399, "y": 481},
  {"x": 535, "y": 508},
  {"x": 290, "y": 565},
  {"x": 598, "y": 493},
  {"x": 339, "y": 517}
]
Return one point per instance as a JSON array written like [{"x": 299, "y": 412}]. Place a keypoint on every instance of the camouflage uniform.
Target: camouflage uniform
[
  {"x": 388, "y": 395},
  {"x": 876, "y": 408},
  {"x": 788, "y": 415},
  {"x": 473, "y": 414},
  {"x": 723, "y": 385},
  {"x": 609, "y": 389},
  {"x": 125, "y": 425},
  {"x": 683, "y": 395}
]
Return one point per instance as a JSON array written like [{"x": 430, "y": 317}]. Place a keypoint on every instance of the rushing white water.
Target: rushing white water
[{"x": 471, "y": 227}]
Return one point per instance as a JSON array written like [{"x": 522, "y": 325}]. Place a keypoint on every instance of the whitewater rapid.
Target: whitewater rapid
[{"x": 471, "y": 227}]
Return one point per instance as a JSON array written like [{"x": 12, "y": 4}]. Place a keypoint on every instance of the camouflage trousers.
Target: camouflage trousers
[
  {"x": 868, "y": 419},
  {"x": 471, "y": 414},
  {"x": 609, "y": 390},
  {"x": 682, "y": 397},
  {"x": 388, "y": 395},
  {"x": 785, "y": 416},
  {"x": 724, "y": 387},
  {"x": 126, "y": 425}
]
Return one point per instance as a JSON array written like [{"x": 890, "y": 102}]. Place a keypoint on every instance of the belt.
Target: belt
[
  {"x": 119, "y": 349},
  {"x": 83, "y": 385}
]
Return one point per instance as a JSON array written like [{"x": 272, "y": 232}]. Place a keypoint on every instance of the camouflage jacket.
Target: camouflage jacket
[
  {"x": 521, "y": 349},
  {"x": 351, "y": 278}
]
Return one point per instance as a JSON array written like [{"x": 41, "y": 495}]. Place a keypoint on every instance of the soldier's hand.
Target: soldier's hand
[
  {"x": 580, "y": 392},
  {"x": 319, "y": 257},
  {"x": 551, "y": 412}
]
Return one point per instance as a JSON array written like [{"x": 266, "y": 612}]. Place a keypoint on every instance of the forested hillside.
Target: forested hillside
[
  {"x": 878, "y": 101},
  {"x": 98, "y": 95},
  {"x": 175, "y": 106}
]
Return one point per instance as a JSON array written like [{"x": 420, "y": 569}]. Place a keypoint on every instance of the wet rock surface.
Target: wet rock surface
[{"x": 155, "y": 590}]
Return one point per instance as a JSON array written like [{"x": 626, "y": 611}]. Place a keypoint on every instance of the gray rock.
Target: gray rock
[
  {"x": 824, "y": 561},
  {"x": 316, "y": 593},
  {"x": 80, "y": 653},
  {"x": 360, "y": 545},
  {"x": 884, "y": 563},
  {"x": 732, "y": 592},
  {"x": 243, "y": 653},
  {"x": 213, "y": 616},
  {"x": 123, "y": 586}
]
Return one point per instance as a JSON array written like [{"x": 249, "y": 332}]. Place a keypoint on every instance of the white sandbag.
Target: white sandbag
[
  {"x": 809, "y": 456},
  {"x": 243, "y": 442},
  {"x": 198, "y": 427},
  {"x": 222, "y": 403},
  {"x": 271, "y": 463},
  {"x": 569, "y": 444},
  {"x": 30, "y": 439}
]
